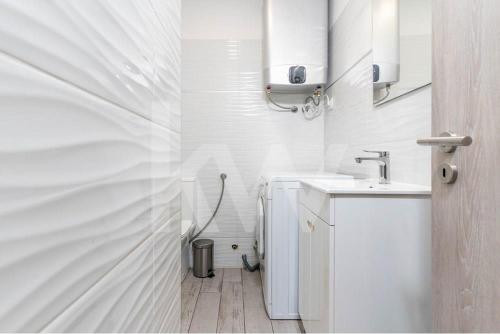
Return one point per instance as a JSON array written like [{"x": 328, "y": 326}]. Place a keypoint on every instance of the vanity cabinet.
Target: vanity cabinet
[{"x": 364, "y": 261}]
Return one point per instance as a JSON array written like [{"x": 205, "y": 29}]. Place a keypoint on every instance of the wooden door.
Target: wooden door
[{"x": 466, "y": 214}]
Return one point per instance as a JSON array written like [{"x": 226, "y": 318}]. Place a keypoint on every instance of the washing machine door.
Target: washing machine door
[{"x": 261, "y": 225}]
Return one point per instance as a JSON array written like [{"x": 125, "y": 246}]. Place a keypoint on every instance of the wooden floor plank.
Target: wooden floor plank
[
  {"x": 256, "y": 319},
  {"x": 206, "y": 313},
  {"x": 232, "y": 275},
  {"x": 231, "y": 302},
  {"x": 286, "y": 326},
  {"x": 213, "y": 284},
  {"x": 189, "y": 295},
  {"x": 231, "y": 316}
]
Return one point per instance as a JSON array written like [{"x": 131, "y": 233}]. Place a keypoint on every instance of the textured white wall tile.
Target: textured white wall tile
[
  {"x": 237, "y": 134},
  {"x": 90, "y": 151},
  {"x": 354, "y": 120},
  {"x": 349, "y": 38},
  {"x": 167, "y": 279},
  {"x": 228, "y": 65},
  {"x": 166, "y": 108},
  {"x": 139, "y": 295},
  {"x": 226, "y": 257},
  {"x": 222, "y": 19},
  {"x": 243, "y": 121},
  {"x": 335, "y": 9},
  {"x": 353, "y": 124},
  {"x": 108, "y": 48},
  {"x": 409, "y": 163},
  {"x": 227, "y": 124}
]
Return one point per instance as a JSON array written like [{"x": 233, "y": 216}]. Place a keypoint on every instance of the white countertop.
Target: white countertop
[
  {"x": 368, "y": 186},
  {"x": 284, "y": 177}
]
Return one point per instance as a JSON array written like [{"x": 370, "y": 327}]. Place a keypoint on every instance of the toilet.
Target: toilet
[{"x": 188, "y": 221}]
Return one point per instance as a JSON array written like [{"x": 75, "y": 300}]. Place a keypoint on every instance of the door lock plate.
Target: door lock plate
[{"x": 447, "y": 173}]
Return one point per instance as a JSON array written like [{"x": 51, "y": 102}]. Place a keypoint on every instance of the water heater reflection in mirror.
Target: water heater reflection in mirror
[{"x": 385, "y": 42}]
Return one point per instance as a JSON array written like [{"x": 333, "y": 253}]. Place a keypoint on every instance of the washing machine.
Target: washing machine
[{"x": 277, "y": 241}]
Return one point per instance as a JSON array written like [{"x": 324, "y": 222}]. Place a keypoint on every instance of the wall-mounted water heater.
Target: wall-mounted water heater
[
  {"x": 385, "y": 43},
  {"x": 295, "y": 45}
]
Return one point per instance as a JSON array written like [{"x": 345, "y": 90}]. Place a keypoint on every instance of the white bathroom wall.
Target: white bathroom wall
[
  {"x": 227, "y": 125},
  {"x": 90, "y": 165},
  {"x": 352, "y": 123}
]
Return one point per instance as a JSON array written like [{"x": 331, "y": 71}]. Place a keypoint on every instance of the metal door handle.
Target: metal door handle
[{"x": 447, "y": 142}]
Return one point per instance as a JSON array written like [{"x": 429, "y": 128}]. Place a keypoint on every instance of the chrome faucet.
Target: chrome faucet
[{"x": 384, "y": 164}]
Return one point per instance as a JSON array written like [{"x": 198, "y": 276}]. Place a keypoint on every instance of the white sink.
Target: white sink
[{"x": 365, "y": 186}]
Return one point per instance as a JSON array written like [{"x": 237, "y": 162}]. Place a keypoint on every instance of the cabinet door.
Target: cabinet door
[
  {"x": 321, "y": 263},
  {"x": 304, "y": 264},
  {"x": 383, "y": 264}
]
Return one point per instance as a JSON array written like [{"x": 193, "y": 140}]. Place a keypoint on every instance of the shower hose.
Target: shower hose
[{"x": 223, "y": 178}]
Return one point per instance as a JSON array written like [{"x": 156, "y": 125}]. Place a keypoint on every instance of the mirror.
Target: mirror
[{"x": 402, "y": 48}]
